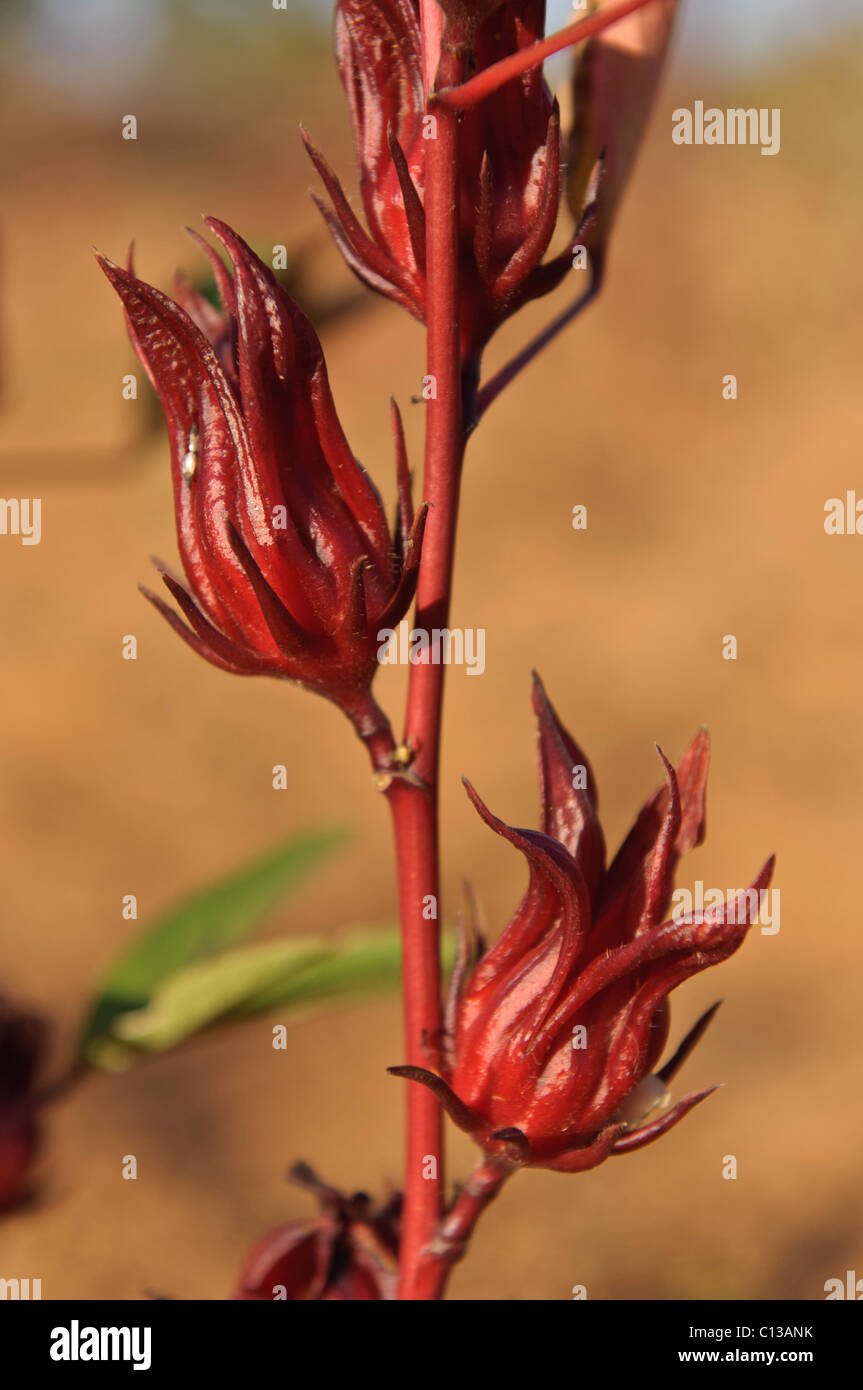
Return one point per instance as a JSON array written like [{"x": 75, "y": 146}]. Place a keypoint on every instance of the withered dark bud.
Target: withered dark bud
[
  {"x": 23, "y": 1038},
  {"x": 349, "y": 1252}
]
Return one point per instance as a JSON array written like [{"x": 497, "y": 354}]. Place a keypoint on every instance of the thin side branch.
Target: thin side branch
[
  {"x": 454, "y": 1232},
  {"x": 499, "y": 382},
  {"x": 476, "y": 89}
]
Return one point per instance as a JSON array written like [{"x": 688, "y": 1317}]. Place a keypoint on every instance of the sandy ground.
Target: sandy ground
[{"x": 705, "y": 518}]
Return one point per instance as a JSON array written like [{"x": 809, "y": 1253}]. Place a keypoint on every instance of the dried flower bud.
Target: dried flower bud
[
  {"x": 510, "y": 164},
  {"x": 551, "y": 1041},
  {"x": 347, "y": 1253},
  {"x": 22, "y": 1042},
  {"x": 291, "y": 566},
  {"x": 616, "y": 76}
]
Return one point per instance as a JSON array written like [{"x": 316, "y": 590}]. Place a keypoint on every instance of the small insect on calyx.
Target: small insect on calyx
[{"x": 189, "y": 466}]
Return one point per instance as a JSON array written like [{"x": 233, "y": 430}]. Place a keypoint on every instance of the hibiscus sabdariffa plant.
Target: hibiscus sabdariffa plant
[{"x": 548, "y": 1051}]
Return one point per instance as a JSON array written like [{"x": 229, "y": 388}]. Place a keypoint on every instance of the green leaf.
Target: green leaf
[
  {"x": 360, "y": 965},
  {"x": 200, "y": 994},
  {"x": 203, "y": 925},
  {"x": 292, "y": 975}
]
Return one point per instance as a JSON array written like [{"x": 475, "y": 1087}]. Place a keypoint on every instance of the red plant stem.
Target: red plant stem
[
  {"x": 415, "y": 830},
  {"x": 414, "y": 802},
  {"x": 457, "y": 1226},
  {"x": 458, "y": 97}
]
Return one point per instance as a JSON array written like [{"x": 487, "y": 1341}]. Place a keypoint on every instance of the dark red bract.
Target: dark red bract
[{"x": 348, "y": 1253}]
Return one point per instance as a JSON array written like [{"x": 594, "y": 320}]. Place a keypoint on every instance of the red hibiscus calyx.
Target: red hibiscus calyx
[
  {"x": 510, "y": 176},
  {"x": 290, "y": 565},
  {"x": 552, "y": 1038}
]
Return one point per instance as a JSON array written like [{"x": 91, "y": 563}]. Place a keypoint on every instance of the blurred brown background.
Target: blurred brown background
[{"x": 705, "y": 518}]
